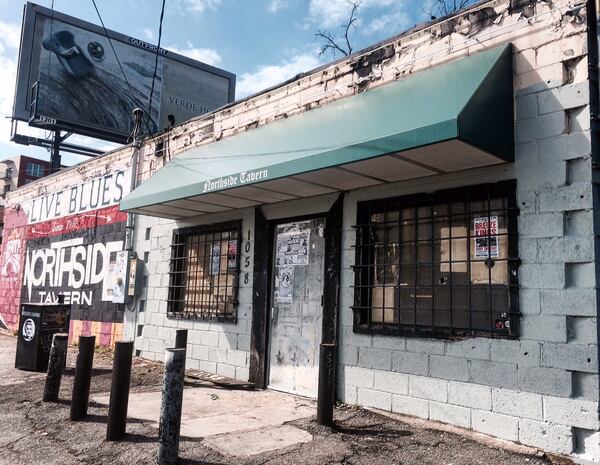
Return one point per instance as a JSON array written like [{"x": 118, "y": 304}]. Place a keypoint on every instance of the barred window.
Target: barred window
[
  {"x": 439, "y": 265},
  {"x": 204, "y": 272}
]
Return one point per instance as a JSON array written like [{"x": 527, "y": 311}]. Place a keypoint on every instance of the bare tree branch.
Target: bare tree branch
[
  {"x": 351, "y": 23},
  {"x": 332, "y": 43}
]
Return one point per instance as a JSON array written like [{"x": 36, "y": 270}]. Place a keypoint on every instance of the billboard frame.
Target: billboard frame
[{"x": 25, "y": 80}]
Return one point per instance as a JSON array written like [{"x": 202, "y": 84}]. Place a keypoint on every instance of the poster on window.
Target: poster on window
[
  {"x": 215, "y": 265},
  {"x": 292, "y": 248},
  {"x": 486, "y": 237},
  {"x": 284, "y": 284},
  {"x": 232, "y": 254}
]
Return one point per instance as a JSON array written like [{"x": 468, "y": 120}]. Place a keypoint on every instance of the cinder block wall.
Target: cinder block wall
[
  {"x": 540, "y": 390},
  {"x": 217, "y": 347}
]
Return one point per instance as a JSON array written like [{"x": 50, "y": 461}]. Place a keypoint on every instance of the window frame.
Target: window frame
[
  {"x": 178, "y": 245},
  {"x": 34, "y": 169},
  {"x": 365, "y": 254}
]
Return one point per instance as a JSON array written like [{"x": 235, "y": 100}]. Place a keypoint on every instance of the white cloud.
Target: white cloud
[
  {"x": 199, "y": 6},
  {"x": 276, "y": 5},
  {"x": 268, "y": 75},
  {"x": 7, "y": 84},
  {"x": 148, "y": 34},
  {"x": 388, "y": 14},
  {"x": 205, "y": 55},
  {"x": 10, "y": 36},
  {"x": 329, "y": 13},
  {"x": 390, "y": 22}
]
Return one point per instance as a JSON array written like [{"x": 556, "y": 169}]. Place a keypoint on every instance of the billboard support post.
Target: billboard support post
[{"x": 55, "y": 155}]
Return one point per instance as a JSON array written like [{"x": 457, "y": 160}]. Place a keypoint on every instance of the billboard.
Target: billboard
[{"x": 69, "y": 78}]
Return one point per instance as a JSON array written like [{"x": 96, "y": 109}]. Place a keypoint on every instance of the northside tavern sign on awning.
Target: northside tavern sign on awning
[{"x": 244, "y": 177}]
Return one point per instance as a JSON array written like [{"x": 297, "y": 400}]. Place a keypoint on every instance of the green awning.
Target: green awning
[{"x": 449, "y": 118}]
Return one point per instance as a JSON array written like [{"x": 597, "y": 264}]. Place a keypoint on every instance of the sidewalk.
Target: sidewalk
[{"x": 237, "y": 423}]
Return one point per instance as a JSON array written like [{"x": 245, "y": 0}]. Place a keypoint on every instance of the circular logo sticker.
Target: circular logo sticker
[{"x": 28, "y": 329}]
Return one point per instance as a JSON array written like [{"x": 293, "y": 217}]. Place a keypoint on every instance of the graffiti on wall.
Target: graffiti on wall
[
  {"x": 11, "y": 259},
  {"x": 66, "y": 244}
]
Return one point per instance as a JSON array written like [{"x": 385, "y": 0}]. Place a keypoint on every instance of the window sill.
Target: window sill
[
  {"x": 394, "y": 330},
  {"x": 196, "y": 317}
]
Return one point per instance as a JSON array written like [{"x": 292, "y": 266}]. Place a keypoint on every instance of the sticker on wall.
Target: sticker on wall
[
  {"x": 284, "y": 285},
  {"x": 28, "y": 329},
  {"x": 292, "y": 248},
  {"x": 486, "y": 238}
]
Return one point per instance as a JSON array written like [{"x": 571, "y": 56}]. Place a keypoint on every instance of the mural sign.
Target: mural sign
[{"x": 69, "y": 243}]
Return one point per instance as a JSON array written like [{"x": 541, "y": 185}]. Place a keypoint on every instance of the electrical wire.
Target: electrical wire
[
  {"x": 116, "y": 56},
  {"x": 46, "y": 136},
  {"x": 160, "y": 24}
]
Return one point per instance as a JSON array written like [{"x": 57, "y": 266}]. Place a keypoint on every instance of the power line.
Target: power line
[
  {"x": 116, "y": 56},
  {"x": 49, "y": 53},
  {"x": 162, "y": 14}
]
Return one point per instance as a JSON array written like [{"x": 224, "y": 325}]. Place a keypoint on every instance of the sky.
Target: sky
[{"x": 264, "y": 42}]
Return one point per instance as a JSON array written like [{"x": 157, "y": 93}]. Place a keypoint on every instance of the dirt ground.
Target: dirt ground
[{"x": 33, "y": 432}]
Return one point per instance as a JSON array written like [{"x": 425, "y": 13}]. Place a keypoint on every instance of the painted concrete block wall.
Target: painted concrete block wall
[
  {"x": 540, "y": 390},
  {"x": 219, "y": 347}
]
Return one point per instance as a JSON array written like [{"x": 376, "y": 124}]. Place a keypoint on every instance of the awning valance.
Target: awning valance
[{"x": 449, "y": 118}]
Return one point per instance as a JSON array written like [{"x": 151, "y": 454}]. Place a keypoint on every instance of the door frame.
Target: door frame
[{"x": 264, "y": 231}]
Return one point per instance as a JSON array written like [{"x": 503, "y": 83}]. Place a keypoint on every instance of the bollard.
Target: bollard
[
  {"x": 119, "y": 392},
  {"x": 170, "y": 408},
  {"x": 83, "y": 377},
  {"x": 326, "y": 397},
  {"x": 58, "y": 357},
  {"x": 181, "y": 339}
]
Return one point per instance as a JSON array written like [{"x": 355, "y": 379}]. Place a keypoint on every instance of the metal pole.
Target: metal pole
[
  {"x": 181, "y": 339},
  {"x": 58, "y": 356},
  {"x": 326, "y": 396},
  {"x": 170, "y": 408},
  {"x": 83, "y": 377},
  {"x": 55, "y": 155},
  {"x": 119, "y": 392}
]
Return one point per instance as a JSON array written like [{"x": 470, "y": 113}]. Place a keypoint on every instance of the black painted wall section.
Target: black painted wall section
[{"x": 260, "y": 300}]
